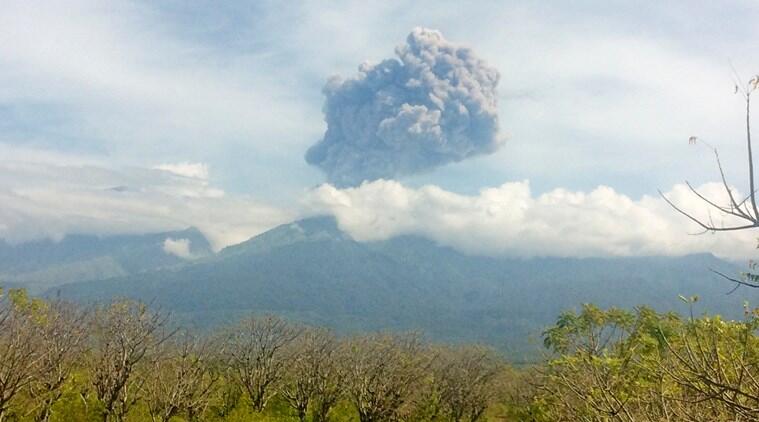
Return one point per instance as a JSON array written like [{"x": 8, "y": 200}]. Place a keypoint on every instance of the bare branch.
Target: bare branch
[
  {"x": 734, "y": 280},
  {"x": 750, "y": 155},
  {"x": 729, "y": 211},
  {"x": 257, "y": 355},
  {"x": 730, "y": 191},
  {"x": 705, "y": 226},
  {"x": 124, "y": 334}
]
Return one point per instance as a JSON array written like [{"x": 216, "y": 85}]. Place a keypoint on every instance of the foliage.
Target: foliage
[{"x": 617, "y": 365}]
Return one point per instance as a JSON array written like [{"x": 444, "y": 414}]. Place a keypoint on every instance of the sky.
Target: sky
[{"x": 142, "y": 116}]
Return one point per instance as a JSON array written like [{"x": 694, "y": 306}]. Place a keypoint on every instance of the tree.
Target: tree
[
  {"x": 717, "y": 362},
  {"x": 593, "y": 370},
  {"x": 20, "y": 358},
  {"x": 315, "y": 375},
  {"x": 659, "y": 367},
  {"x": 256, "y": 352},
  {"x": 381, "y": 371},
  {"x": 744, "y": 212},
  {"x": 465, "y": 377},
  {"x": 124, "y": 335},
  {"x": 62, "y": 329},
  {"x": 179, "y": 380}
]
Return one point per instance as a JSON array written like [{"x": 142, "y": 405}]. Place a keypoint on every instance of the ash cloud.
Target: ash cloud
[{"x": 434, "y": 104}]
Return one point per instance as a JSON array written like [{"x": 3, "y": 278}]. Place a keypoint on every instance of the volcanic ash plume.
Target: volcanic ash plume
[{"x": 434, "y": 104}]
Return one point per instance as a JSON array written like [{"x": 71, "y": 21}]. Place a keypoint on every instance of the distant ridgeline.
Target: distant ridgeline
[
  {"x": 311, "y": 271},
  {"x": 44, "y": 264}
]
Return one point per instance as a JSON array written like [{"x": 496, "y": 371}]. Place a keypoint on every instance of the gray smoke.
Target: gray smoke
[{"x": 433, "y": 105}]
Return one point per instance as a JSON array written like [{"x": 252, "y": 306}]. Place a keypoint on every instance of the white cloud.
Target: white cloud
[
  {"x": 177, "y": 247},
  {"x": 510, "y": 220},
  {"x": 45, "y": 200},
  {"x": 42, "y": 199},
  {"x": 193, "y": 170}
]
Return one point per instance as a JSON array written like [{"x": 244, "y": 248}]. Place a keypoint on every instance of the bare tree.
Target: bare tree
[
  {"x": 180, "y": 380},
  {"x": 466, "y": 377},
  {"x": 743, "y": 212},
  {"x": 20, "y": 358},
  {"x": 62, "y": 331},
  {"x": 381, "y": 372},
  {"x": 315, "y": 375},
  {"x": 256, "y": 353},
  {"x": 124, "y": 334}
]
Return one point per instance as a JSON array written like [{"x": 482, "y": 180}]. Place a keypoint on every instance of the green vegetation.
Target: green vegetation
[
  {"x": 616, "y": 365},
  {"x": 127, "y": 362}
]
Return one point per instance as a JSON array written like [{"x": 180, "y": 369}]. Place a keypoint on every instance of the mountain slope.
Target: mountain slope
[
  {"x": 43, "y": 264},
  {"x": 311, "y": 271}
]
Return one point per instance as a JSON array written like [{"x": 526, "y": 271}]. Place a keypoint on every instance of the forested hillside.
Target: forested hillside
[{"x": 311, "y": 271}]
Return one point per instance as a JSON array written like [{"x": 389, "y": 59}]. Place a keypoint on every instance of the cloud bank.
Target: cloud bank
[
  {"x": 42, "y": 200},
  {"x": 435, "y": 104},
  {"x": 509, "y": 220}
]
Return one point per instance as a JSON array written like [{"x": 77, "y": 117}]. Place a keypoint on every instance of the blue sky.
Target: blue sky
[{"x": 591, "y": 94}]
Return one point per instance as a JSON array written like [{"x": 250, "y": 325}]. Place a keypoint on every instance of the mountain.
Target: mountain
[
  {"x": 43, "y": 264},
  {"x": 311, "y": 271}
]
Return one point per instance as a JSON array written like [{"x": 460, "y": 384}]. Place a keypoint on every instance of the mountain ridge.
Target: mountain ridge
[
  {"x": 311, "y": 271},
  {"x": 45, "y": 263}
]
